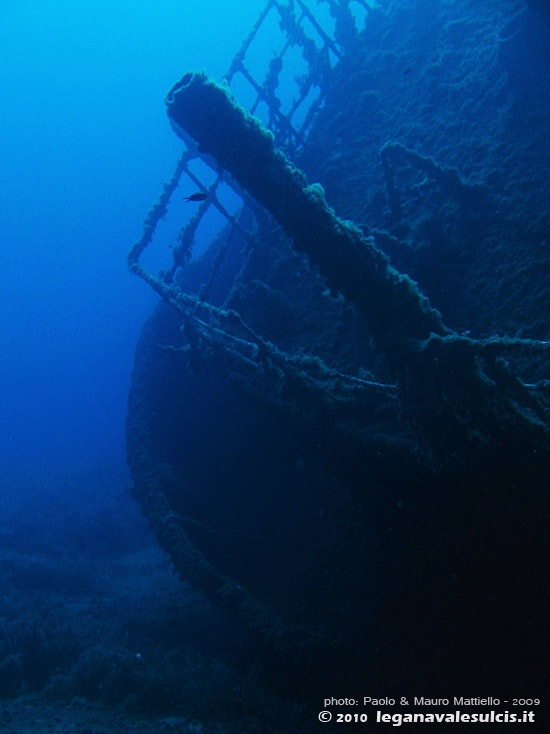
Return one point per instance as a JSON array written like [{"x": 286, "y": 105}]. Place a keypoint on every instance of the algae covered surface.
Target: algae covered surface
[{"x": 338, "y": 433}]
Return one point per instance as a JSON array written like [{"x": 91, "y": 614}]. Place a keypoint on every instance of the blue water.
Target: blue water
[
  {"x": 84, "y": 149},
  {"x": 403, "y": 532}
]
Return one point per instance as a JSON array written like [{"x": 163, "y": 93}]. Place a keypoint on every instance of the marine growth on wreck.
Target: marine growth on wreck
[{"x": 339, "y": 417}]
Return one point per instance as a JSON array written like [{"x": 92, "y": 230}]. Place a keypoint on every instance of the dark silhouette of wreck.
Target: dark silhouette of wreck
[{"x": 338, "y": 423}]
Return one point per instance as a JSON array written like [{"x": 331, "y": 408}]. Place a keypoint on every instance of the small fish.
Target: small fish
[{"x": 197, "y": 196}]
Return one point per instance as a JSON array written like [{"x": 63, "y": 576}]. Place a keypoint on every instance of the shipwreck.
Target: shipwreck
[{"x": 338, "y": 423}]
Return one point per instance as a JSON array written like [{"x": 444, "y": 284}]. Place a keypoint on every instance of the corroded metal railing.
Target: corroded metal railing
[{"x": 320, "y": 51}]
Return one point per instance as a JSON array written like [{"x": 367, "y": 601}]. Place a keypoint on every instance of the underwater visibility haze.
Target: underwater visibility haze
[
  {"x": 294, "y": 474},
  {"x": 84, "y": 145}
]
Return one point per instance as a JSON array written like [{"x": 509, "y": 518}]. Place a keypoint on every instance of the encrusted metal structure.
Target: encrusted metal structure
[
  {"x": 411, "y": 396},
  {"x": 320, "y": 52},
  {"x": 420, "y": 348}
]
